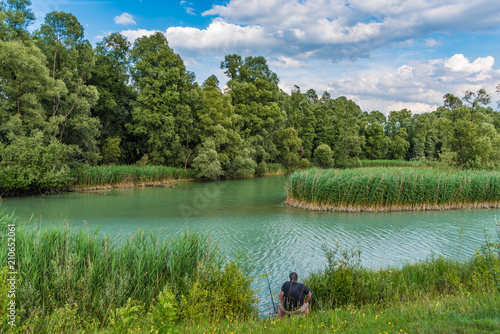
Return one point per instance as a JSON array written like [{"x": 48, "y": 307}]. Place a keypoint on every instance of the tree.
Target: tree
[
  {"x": 110, "y": 76},
  {"x": 397, "y": 128},
  {"x": 470, "y": 139},
  {"x": 345, "y": 139},
  {"x": 25, "y": 83},
  {"x": 15, "y": 17},
  {"x": 163, "y": 115},
  {"x": 254, "y": 92},
  {"x": 70, "y": 59},
  {"x": 288, "y": 144},
  {"x": 206, "y": 163},
  {"x": 323, "y": 156}
]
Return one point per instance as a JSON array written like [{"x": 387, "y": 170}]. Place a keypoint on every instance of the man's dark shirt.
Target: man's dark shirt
[{"x": 294, "y": 295}]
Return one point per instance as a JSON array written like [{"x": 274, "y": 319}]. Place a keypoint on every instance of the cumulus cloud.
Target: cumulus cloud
[
  {"x": 219, "y": 37},
  {"x": 418, "y": 86},
  {"x": 335, "y": 30},
  {"x": 125, "y": 19},
  {"x": 132, "y": 35}
]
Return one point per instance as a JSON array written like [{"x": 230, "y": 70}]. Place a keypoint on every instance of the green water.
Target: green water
[{"x": 247, "y": 216}]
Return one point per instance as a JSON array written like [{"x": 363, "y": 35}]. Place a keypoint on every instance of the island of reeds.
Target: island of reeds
[
  {"x": 393, "y": 189},
  {"x": 71, "y": 280}
]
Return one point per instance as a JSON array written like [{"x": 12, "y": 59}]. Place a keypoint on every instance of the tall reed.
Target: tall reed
[
  {"x": 135, "y": 174},
  {"x": 61, "y": 266},
  {"x": 393, "y": 189}
]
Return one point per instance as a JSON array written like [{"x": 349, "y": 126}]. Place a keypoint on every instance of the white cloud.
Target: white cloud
[
  {"x": 219, "y": 37},
  {"x": 418, "y": 86},
  {"x": 430, "y": 42},
  {"x": 125, "y": 19},
  {"x": 332, "y": 29},
  {"x": 132, "y": 35},
  {"x": 284, "y": 62}
]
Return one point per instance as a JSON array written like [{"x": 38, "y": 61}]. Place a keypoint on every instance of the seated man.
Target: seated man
[{"x": 292, "y": 297}]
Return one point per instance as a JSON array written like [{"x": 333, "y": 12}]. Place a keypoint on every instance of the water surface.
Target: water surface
[{"x": 247, "y": 216}]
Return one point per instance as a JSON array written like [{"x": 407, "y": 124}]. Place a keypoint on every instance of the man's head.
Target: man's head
[{"x": 293, "y": 276}]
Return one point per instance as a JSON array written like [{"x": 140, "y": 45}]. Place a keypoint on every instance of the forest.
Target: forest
[{"x": 65, "y": 103}]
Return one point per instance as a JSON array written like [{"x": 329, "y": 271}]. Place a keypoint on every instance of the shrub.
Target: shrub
[
  {"x": 29, "y": 164},
  {"x": 207, "y": 162},
  {"x": 304, "y": 163},
  {"x": 261, "y": 168},
  {"x": 323, "y": 156}
]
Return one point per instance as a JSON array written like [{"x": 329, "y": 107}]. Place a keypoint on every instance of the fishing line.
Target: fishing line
[
  {"x": 320, "y": 308},
  {"x": 272, "y": 300}
]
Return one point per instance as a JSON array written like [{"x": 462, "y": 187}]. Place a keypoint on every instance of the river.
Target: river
[{"x": 247, "y": 216}]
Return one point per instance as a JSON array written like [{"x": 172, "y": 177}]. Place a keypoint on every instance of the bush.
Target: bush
[
  {"x": 261, "y": 168},
  {"x": 207, "y": 162},
  {"x": 323, "y": 156},
  {"x": 304, "y": 163},
  {"x": 29, "y": 164}
]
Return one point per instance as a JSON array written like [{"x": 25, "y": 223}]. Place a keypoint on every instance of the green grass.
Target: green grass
[
  {"x": 393, "y": 189},
  {"x": 123, "y": 174},
  {"x": 478, "y": 313}
]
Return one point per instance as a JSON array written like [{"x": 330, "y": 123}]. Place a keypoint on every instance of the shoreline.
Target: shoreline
[
  {"x": 163, "y": 183},
  {"x": 390, "y": 208},
  {"x": 131, "y": 184}
]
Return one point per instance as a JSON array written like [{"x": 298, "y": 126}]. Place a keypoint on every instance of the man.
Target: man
[{"x": 294, "y": 297}]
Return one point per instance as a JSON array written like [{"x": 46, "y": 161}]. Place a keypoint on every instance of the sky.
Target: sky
[{"x": 384, "y": 54}]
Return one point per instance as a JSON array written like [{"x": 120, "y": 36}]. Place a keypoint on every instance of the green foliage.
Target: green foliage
[
  {"x": 111, "y": 151},
  {"x": 71, "y": 278},
  {"x": 323, "y": 156},
  {"x": 261, "y": 168},
  {"x": 394, "y": 189},
  {"x": 470, "y": 139},
  {"x": 163, "y": 114},
  {"x": 165, "y": 312},
  {"x": 207, "y": 164},
  {"x": 30, "y": 164},
  {"x": 125, "y": 317},
  {"x": 228, "y": 296},
  {"x": 304, "y": 163}
]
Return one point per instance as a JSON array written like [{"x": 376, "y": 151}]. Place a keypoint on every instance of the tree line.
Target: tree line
[{"x": 65, "y": 103}]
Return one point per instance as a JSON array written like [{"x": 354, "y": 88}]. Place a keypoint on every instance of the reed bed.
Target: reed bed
[
  {"x": 86, "y": 177},
  {"x": 61, "y": 267},
  {"x": 393, "y": 189},
  {"x": 398, "y": 163}
]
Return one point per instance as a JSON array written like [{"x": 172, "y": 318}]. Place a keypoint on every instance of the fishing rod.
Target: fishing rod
[{"x": 272, "y": 300}]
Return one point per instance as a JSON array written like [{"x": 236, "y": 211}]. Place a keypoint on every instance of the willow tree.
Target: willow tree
[{"x": 70, "y": 60}]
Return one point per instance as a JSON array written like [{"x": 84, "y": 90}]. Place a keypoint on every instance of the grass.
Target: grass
[
  {"x": 478, "y": 313},
  {"x": 393, "y": 189},
  {"x": 86, "y": 177}
]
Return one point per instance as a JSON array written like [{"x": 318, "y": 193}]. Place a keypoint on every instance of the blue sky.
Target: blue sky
[{"x": 384, "y": 54}]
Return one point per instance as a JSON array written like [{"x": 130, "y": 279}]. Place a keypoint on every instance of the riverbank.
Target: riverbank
[
  {"x": 91, "y": 178},
  {"x": 75, "y": 280},
  {"x": 392, "y": 189}
]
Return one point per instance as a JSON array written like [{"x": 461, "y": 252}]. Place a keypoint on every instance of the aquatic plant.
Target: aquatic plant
[
  {"x": 61, "y": 268},
  {"x": 127, "y": 174},
  {"x": 393, "y": 189}
]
